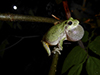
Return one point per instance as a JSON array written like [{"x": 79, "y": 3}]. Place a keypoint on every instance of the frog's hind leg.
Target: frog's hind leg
[
  {"x": 46, "y": 46},
  {"x": 59, "y": 47}
]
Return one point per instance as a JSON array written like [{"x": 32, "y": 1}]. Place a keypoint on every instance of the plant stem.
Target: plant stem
[
  {"x": 66, "y": 8},
  {"x": 82, "y": 45},
  {"x": 16, "y": 17},
  {"x": 84, "y": 2},
  {"x": 53, "y": 67}
]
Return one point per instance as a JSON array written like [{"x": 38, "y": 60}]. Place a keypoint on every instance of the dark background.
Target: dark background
[{"x": 27, "y": 56}]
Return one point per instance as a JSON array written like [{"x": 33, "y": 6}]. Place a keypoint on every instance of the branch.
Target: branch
[
  {"x": 15, "y": 17},
  {"x": 53, "y": 67},
  {"x": 66, "y": 8}
]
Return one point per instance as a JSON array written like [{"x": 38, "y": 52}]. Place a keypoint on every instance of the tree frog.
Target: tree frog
[{"x": 58, "y": 33}]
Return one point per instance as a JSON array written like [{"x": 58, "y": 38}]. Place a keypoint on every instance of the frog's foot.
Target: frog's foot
[
  {"x": 56, "y": 50},
  {"x": 57, "y": 22}
]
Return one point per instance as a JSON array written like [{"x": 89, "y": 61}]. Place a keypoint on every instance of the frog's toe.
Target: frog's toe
[{"x": 56, "y": 50}]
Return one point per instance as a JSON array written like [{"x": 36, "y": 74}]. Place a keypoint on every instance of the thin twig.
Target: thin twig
[
  {"x": 16, "y": 17},
  {"x": 83, "y": 6},
  {"x": 12, "y": 45},
  {"x": 84, "y": 2}
]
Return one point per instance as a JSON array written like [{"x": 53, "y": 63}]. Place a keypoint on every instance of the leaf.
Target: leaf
[
  {"x": 10, "y": 24},
  {"x": 93, "y": 66},
  {"x": 85, "y": 37},
  {"x": 95, "y": 45},
  {"x": 75, "y": 57},
  {"x": 76, "y": 70},
  {"x": 2, "y": 46},
  {"x": 19, "y": 26}
]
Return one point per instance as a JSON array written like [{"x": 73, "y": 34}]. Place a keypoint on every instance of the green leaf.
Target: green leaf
[
  {"x": 19, "y": 26},
  {"x": 76, "y": 70},
  {"x": 10, "y": 24},
  {"x": 75, "y": 57},
  {"x": 85, "y": 37},
  {"x": 2, "y": 46},
  {"x": 95, "y": 45},
  {"x": 93, "y": 66}
]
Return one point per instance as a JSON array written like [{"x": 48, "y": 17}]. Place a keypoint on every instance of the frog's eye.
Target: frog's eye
[{"x": 70, "y": 23}]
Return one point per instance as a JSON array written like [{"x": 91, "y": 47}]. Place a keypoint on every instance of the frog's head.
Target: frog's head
[
  {"x": 71, "y": 23},
  {"x": 74, "y": 31}
]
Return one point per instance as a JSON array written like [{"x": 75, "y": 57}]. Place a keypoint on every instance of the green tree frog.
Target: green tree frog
[{"x": 67, "y": 30}]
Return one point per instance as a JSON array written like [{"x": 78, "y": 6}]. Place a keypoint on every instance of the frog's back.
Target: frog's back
[{"x": 54, "y": 33}]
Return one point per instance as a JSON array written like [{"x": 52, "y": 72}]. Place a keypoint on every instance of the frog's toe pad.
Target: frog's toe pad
[{"x": 56, "y": 50}]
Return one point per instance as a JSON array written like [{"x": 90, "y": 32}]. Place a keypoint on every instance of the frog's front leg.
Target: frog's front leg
[
  {"x": 59, "y": 47},
  {"x": 46, "y": 46}
]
